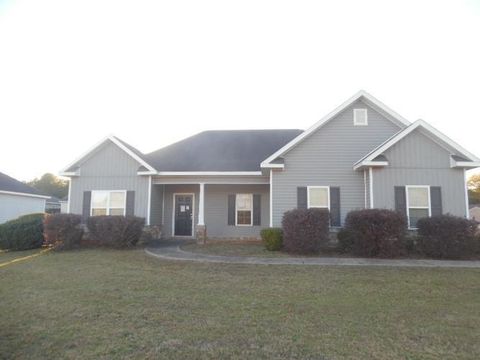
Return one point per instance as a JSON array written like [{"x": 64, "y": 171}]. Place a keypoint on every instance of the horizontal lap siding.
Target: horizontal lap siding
[
  {"x": 216, "y": 210},
  {"x": 110, "y": 168},
  {"x": 156, "y": 206},
  {"x": 13, "y": 206},
  {"x": 326, "y": 158},
  {"x": 417, "y": 160}
]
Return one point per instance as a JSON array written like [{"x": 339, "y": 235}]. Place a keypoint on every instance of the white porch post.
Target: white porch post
[{"x": 201, "y": 205}]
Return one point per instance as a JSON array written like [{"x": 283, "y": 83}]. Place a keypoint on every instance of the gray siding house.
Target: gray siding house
[
  {"x": 17, "y": 199},
  {"x": 231, "y": 184}
]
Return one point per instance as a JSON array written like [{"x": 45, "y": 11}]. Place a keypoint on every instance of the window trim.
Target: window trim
[
  {"x": 318, "y": 187},
  {"x": 355, "y": 120},
  {"x": 108, "y": 202},
  {"x": 251, "y": 209},
  {"x": 407, "y": 188}
]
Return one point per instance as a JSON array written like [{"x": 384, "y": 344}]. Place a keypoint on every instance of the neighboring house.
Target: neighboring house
[
  {"x": 17, "y": 199},
  {"x": 233, "y": 183},
  {"x": 64, "y": 205},
  {"x": 52, "y": 205},
  {"x": 475, "y": 213}
]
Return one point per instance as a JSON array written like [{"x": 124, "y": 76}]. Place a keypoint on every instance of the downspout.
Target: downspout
[
  {"x": 271, "y": 198},
  {"x": 467, "y": 209},
  {"x": 69, "y": 194},
  {"x": 365, "y": 186},
  {"x": 370, "y": 175},
  {"x": 149, "y": 203}
]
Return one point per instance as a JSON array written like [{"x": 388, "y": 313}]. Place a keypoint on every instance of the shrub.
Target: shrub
[
  {"x": 63, "y": 231},
  {"x": 272, "y": 238},
  {"x": 447, "y": 237},
  {"x": 345, "y": 241},
  {"x": 375, "y": 233},
  {"x": 115, "y": 231},
  {"x": 23, "y": 233},
  {"x": 305, "y": 230}
]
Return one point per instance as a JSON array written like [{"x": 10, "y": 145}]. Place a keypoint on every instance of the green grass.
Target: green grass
[{"x": 94, "y": 304}]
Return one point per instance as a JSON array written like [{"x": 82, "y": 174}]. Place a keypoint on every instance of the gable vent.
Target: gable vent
[{"x": 360, "y": 117}]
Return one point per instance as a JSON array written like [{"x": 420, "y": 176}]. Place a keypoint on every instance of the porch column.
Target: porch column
[{"x": 201, "y": 205}]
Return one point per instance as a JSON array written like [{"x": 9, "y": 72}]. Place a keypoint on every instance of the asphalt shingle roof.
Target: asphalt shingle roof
[
  {"x": 221, "y": 150},
  {"x": 8, "y": 183}
]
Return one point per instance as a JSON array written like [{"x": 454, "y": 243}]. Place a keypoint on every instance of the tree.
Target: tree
[
  {"x": 474, "y": 189},
  {"x": 50, "y": 184}
]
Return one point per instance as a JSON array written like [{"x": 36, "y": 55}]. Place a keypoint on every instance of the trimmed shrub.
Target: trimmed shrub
[
  {"x": 23, "y": 233},
  {"x": 447, "y": 237},
  {"x": 272, "y": 238},
  {"x": 115, "y": 231},
  {"x": 345, "y": 241},
  {"x": 62, "y": 231},
  {"x": 305, "y": 231},
  {"x": 375, "y": 233}
]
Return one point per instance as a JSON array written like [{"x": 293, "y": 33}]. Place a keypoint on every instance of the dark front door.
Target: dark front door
[{"x": 183, "y": 215}]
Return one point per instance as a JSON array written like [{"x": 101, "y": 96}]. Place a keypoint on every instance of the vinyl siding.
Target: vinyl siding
[
  {"x": 13, "y": 206},
  {"x": 216, "y": 206},
  {"x": 110, "y": 168},
  {"x": 326, "y": 158},
  {"x": 418, "y": 160},
  {"x": 156, "y": 206}
]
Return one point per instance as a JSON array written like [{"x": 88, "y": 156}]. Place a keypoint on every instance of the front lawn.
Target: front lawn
[{"x": 93, "y": 304}]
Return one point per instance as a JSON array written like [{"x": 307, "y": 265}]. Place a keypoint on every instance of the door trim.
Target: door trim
[{"x": 173, "y": 214}]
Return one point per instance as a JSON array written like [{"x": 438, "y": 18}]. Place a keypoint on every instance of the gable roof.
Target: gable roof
[
  {"x": 221, "y": 151},
  {"x": 363, "y": 95},
  {"x": 466, "y": 160},
  {"x": 71, "y": 170},
  {"x": 9, "y": 185}
]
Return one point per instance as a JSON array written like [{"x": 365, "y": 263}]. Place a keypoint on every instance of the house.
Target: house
[
  {"x": 52, "y": 205},
  {"x": 230, "y": 184},
  {"x": 475, "y": 213},
  {"x": 17, "y": 199},
  {"x": 64, "y": 205}
]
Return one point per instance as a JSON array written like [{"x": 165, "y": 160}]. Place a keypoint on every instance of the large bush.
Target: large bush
[
  {"x": 63, "y": 231},
  {"x": 115, "y": 231},
  {"x": 23, "y": 233},
  {"x": 272, "y": 238},
  {"x": 447, "y": 237},
  {"x": 305, "y": 230},
  {"x": 374, "y": 233}
]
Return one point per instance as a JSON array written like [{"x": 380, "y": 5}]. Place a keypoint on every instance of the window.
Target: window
[
  {"x": 418, "y": 204},
  {"x": 360, "y": 117},
  {"x": 318, "y": 197},
  {"x": 108, "y": 203},
  {"x": 244, "y": 209}
]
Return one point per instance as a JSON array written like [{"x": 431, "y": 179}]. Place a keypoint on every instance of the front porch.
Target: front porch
[{"x": 182, "y": 208}]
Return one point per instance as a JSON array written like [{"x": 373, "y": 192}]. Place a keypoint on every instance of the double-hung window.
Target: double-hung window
[
  {"x": 418, "y": 204},
  {"x": 244, "y": 209},
  {"x": 318, "y": 197},
  {"x": 108, "y": 202}
]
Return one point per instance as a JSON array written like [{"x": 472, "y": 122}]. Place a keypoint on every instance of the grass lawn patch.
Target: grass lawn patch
[{"x": 103, "y": 303}]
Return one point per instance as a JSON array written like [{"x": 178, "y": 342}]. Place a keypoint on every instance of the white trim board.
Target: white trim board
[
  {"x": 400, "y": 135},
  {"x": 407, "y": 187},
  {"x": 361, "y": 94},
  {"x": 318, "y": 187},
  {"x": 24, "y": 194},
  {"x": 114, "y": 140},
  {"x": 108, "y": 208}
]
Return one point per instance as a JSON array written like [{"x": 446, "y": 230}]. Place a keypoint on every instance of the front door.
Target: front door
[{"x": 183, "y": 215}]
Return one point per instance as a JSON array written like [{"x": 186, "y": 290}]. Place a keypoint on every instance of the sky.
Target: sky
[{"x": 154, "y": 72}]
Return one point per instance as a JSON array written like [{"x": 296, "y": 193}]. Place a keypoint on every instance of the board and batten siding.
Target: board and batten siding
[
  {"x": 418, "y": 160},
  {"x": 326, "y": 158},
  {"x": 110, "y": 168},
  {"x": 13, "y": 206},
  {"x": 216, "y": 209}
]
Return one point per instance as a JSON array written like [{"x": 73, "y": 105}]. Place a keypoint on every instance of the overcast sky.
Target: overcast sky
[{"x": 154, "y": 72}]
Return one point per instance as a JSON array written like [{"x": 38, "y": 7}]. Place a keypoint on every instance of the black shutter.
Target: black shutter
[
  {"x": 334, "y": 206},
  {"x": 302, "y": 198},
  {"x": 231, "y": 209},
  {"x": 256, "y": 209},
  {"x": 401, "y": 200},
  {"x": 130, "y": 210},
  {"x": 87, "y": 198},
  {"x": 436, "y": 200}
]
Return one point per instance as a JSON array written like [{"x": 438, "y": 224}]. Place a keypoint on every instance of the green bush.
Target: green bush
[
  {"x": 345, "y": 241},
  {"x": 272, "y": 238},
  {"x": 448, "y": 237},
  {"x": 23, "y": 233},
  {"x": 63, "y": 231},
  {"x": 305, "y": 231},
  {"x": 374, "y": 233},
  {"x": 115, "y": 231}
]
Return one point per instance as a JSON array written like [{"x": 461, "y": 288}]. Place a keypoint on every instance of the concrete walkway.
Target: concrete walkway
[{"x": 171, "y": 251}]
